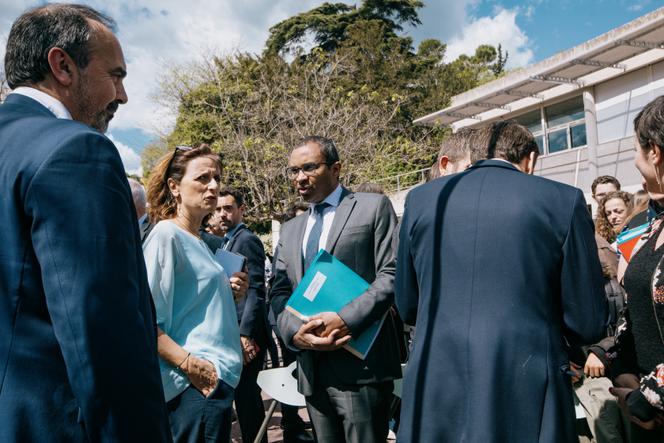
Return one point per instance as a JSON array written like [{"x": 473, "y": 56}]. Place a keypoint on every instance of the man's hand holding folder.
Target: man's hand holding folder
[{"x": 318, "y": 335}]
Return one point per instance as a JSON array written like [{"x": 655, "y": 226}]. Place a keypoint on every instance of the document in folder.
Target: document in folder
[
  {"x": 230, "y": 261},
  {"x": 329, "y": 285}
]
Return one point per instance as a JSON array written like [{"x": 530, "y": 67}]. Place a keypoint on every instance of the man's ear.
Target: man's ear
[
  {"x": 527, "y": 164},
  {"x": 655, "y": 154},
  {"x": 336, "y": 169},
  {"x": 532, "y": 160},
  {"x": 63, "y": 68},
  {"x": 442, "y": 164}
]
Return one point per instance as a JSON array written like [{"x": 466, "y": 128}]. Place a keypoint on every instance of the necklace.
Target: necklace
[{"x": 184, "y": 226}]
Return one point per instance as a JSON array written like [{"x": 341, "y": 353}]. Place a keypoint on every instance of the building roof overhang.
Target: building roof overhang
[{"x": 626, "y": 48}]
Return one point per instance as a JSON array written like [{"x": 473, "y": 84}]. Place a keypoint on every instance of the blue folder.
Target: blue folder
[{"x": 329, "y": 285}]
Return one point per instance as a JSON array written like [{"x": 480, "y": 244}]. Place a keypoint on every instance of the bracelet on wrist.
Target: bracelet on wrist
[{"x": 183, "y": 362}]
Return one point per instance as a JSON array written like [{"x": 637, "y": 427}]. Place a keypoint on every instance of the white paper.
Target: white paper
[{"x": 314, "y": 287}]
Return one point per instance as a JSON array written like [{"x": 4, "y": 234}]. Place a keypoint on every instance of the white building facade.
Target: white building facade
[{"x": 580, "y": 104}]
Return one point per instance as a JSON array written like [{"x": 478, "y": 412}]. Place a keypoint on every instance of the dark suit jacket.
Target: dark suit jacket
[
  {"x": 251, "y": 310},
  {"x": 500, "y": 271},
  {"x": 144, "y": 229},
  {"x": 78, "y": 348},
  {"x": 361, "y": 237}
]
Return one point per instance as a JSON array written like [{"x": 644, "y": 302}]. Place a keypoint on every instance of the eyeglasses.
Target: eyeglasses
[
  {"x": 181, "y": 148},
  {"x": 308, "y": 169}
]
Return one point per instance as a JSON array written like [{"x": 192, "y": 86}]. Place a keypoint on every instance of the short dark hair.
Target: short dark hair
[
  {"x": 649, "y": 125},
  {"x": 326, "y": 145},
  {"x": 370, "y": 188},
  {"x": 291, "y": 212},
  {"x": 510, "y": 141},
  {"x": 236, "y": 194},
  {"x": 456, "y": 145},
  {"x": 603, "y": 180},
  {"x": 38, "y": 30}
]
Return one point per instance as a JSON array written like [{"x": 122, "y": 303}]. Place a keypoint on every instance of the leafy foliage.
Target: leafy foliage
[
  {"x": 361, "y": 85},
  {"x": 328, "y": 24}
]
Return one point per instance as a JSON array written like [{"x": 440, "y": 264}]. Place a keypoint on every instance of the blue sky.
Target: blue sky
[{"x": 159, "y": 33}]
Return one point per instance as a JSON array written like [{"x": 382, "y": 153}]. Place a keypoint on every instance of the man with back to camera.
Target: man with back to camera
[
  {"x": 498, "y": 270},
  {"x": 78, "y": 349},
  {"x": 347, "y": 398}
]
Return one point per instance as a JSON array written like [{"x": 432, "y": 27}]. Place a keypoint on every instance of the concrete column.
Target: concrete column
[
  {"x": 591, "y": 131},
  {"x": 276, "y": 228}
]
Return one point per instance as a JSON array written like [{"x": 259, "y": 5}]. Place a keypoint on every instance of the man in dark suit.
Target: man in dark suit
[
  {"x": 140, "y": 203},
  {"x": 78, "y": 348},
  {"x": 500, "y": 270},
  {"x": 251, "y": 310},
  {"x": 347, "y": 398}
]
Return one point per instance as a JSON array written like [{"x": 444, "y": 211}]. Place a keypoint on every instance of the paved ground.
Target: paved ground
[{"x": 274, "y": 432}]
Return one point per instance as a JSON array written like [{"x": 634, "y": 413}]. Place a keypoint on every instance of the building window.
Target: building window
[{"x": 557, "y": 127}]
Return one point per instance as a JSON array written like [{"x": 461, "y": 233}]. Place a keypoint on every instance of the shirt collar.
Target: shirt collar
[
  {"x": 142, "y": 219},
  {"x": 51, "y": 103},
  {"x": 334, "y": 198},
  {"x": 230, "y": 234}
]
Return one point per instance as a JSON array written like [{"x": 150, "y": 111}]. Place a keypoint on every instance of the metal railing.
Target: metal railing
[{"x": 397, "y": 183}]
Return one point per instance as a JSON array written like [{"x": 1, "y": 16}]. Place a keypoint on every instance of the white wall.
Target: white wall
[{"x": 619, "y": 100}]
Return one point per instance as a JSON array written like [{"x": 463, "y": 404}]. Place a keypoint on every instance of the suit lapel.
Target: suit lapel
[
  {"x": 341, "y": 217},
  {"x": 231, "y": 242},
  {"x": 296, "y": 252}
]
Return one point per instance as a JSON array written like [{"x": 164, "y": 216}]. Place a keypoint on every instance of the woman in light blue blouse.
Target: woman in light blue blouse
[{"x": 198, "y": 336}]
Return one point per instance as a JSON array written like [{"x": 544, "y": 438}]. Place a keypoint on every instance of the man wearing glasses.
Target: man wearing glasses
[{"x": 347, "y": 398}]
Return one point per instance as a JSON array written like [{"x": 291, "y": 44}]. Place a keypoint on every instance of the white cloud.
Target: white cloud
[
  {"x": 638, "y": 6},
  {"x": 158, "y": 33},
  {"x": 500, "y": 29},
  {"x": 130, "y": 159}
]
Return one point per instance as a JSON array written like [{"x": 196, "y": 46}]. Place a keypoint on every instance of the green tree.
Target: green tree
[
  {"x": 150, "y": 156},
  {"x": 328, "y": 24},
  {"x": 361, "y": 85}
]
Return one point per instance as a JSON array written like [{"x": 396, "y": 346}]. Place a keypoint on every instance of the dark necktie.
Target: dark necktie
[
  {"x": 224, "y": 242},
  {"x": 314, "y": 236}
]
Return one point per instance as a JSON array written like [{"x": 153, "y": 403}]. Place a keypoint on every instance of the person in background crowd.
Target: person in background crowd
[
  {"x": 456, "y": 153},
  {"x": 602, "y": 185},
  {"x": 498, "y": 271},
  {"x": 198, "y": 335},
  {"x": 141, "y": 205},
  {"x": 371, "y": 188},
  {"x": 590, "y": 364},
  {"x": 251, "y": 310},
  {"x": 612, "y": 212},
  {"x": 347, "y": 398},
  {"x": 637, "y": 369},
  {"x": 213, "y": 224},
  {"x": 78, "y": 355}
]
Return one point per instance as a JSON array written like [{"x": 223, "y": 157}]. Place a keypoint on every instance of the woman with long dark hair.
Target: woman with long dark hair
[{"x": 638, "y": 367}]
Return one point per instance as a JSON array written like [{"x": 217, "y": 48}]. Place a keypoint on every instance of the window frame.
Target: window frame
[{"x": 545, "y": 129}]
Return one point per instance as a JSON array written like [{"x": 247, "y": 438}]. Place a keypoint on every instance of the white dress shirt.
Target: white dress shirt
[
  {"x": 328, "y": 216},
  {"x": 51, "y": 103}
]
